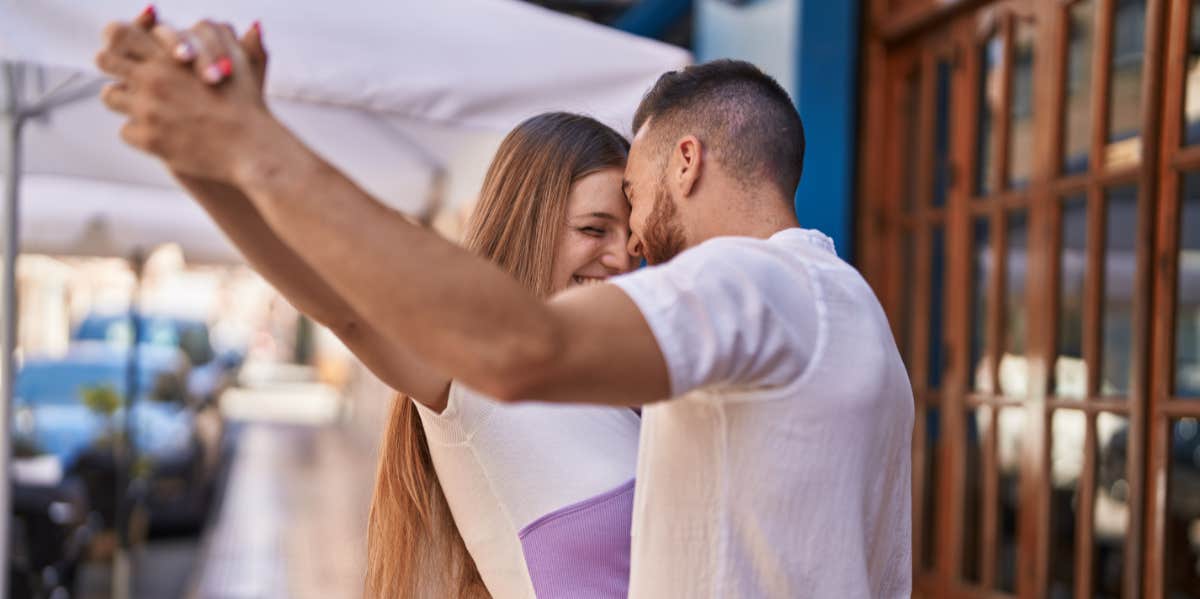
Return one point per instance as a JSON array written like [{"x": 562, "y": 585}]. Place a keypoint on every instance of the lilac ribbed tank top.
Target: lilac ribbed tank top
[{"x": 541, "y": 493}]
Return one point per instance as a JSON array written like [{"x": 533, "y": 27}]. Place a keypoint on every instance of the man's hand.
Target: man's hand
[{"x": 198, "y": 128}]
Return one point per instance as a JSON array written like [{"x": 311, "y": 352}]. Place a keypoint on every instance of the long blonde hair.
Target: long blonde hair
[{"x": 413, "y": 547}]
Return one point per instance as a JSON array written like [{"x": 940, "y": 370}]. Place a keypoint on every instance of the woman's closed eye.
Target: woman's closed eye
[{"x": 593, "y": 231}]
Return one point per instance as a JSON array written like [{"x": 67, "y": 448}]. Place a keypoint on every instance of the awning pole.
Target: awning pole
[{"x": 13, "y": 120}]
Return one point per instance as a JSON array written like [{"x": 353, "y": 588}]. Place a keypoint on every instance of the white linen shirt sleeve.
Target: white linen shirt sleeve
[{"x": 730, "y": 312}]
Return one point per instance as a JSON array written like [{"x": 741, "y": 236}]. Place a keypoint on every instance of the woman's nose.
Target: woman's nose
[
  {"x": 616, "y": 255},
  {"x": 616, "y": 259}
]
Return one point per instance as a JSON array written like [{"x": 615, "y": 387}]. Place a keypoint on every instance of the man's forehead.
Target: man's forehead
[{"x": 637, "y": 147}]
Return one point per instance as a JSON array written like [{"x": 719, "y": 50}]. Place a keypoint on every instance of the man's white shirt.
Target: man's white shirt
[{"x": 781, "y": 465}]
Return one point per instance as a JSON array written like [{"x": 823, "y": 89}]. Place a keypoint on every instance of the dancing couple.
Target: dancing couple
[{"x": 732, "y": 419}]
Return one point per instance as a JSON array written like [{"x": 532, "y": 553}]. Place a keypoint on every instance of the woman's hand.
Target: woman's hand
[
  {"x": 202, "y": 126},
  {"x": 207, "y": 55}
]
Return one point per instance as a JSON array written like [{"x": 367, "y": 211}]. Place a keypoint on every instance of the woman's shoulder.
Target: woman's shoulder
[
  {"x": 465, "y": 411},
  {"x": 468, "y": 412}
]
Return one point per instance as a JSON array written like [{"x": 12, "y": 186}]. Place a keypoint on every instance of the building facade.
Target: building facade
[
  {"x": 1029, "y": 211},
  {"x": 1019, "y": 180}
]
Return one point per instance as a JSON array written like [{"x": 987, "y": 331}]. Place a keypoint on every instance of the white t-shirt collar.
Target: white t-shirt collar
[{"x": 810, "y": 236}]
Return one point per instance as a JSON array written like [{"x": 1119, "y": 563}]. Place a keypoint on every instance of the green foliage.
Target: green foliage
[
  {"x": 142, "y": 468},
  {"x": 102, "y": 399}
]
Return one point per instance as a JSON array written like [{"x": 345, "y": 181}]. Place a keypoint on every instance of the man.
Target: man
[{"x": 774, "y": 456}]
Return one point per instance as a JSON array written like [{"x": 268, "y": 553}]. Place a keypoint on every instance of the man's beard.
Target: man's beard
[{"x": 664, "y": 236}]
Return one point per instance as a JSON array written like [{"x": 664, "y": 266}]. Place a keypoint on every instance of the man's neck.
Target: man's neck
[{"x": 750, "y": 219}]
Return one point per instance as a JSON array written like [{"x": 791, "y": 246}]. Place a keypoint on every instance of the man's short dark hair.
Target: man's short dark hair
[{"x": 740, "y": 114}]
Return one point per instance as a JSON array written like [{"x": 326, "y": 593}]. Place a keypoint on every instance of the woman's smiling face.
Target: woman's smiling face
[{"x": 594, "y": 245}]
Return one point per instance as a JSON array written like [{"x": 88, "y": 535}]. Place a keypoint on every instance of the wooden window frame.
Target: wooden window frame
[
  {"x": 1177, "y": 160},
  {"x": 1148, "y": 404}
]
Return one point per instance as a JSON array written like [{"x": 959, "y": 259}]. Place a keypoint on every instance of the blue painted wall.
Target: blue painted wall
[
  {"x": 828, "y": 102},
  {"x": 811, "y": 48}
]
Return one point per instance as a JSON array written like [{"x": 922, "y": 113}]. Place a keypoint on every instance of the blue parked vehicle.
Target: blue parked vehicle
[
  {"x": 72, "y": 408},
  {"x": 211, "y": 373}
]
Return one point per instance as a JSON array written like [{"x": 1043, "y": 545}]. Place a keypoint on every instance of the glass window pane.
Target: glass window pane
[
  {"x": 912, "y": 140},
  {"x": 1014, "y": 376},
  {"x": 1125, "y": 85},
  {"x": 933, "y": 436},
  {"x": 1120, "y": 251},
  {"x": 975, "y": 421},
  {"x": 1191, "y": 107},
  {"x": 1111, "y": 508},
  {"x": 1077, "y": 122},
  {"x": 1182, "y": 530},
  {"x": 941, "y": 146},
  {"x": 1067, "y": 428},
  {"x": 1009, "y": 428},
  {"x": 991, "y": 55},
  {"x": 1187, "y": 294},
  {"x": 937, "y": 275},
  {"x": 980, "y": 284},
  {"x": 1020, "y": 123},
  {"x": 1070, "y": 371}
]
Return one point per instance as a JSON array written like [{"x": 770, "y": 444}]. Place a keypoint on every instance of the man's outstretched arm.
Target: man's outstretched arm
[{"x": 459, "y": 314}]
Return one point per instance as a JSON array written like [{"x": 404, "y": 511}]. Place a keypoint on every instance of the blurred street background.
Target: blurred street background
[
  {"x": 1018, "y": 180},
  {"x": 294, "y": 463}
]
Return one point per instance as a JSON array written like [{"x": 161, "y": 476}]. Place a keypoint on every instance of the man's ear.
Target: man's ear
[{"x": 689, "y": 162}]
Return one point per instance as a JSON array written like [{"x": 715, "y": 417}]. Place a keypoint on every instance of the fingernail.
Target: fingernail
[
  {"x": 225, "y": 66},
  {"x": 184, "y": 51},
  {"x": 257, "y": 27},
  {"x": 212, "y": 73},
  {"x": 148, "y": 11}
]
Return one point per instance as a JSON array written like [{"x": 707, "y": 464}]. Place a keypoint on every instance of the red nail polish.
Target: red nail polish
[
  {"x": 225, "y": 66},
  {"x": 148, "y": 11},
  {"x": 257, "y": 27}
]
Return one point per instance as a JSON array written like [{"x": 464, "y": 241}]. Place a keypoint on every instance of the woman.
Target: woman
[{"x": 533, "y": 499}]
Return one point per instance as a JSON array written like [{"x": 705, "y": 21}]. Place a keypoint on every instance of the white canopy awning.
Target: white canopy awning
[
  {"x": 391, "y": 92},
  {"x": 480, "y": 63}
]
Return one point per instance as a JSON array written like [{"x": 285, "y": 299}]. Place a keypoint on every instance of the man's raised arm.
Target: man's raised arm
[{"x": 460, "y": 314}]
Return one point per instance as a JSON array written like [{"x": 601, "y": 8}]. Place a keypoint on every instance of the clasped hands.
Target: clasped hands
[{"x": 192, "y": 97}]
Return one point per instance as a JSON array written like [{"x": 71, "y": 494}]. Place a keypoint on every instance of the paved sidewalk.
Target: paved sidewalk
[{"x": 292, "y": 525}]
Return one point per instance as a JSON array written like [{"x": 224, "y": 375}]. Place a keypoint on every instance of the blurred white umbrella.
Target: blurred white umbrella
[
  {"x": 388, "y": 91},
  {"x": 114, "y": 220}
]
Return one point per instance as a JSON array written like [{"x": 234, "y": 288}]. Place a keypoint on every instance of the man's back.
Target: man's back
[{"x": 783, "y": 470}]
